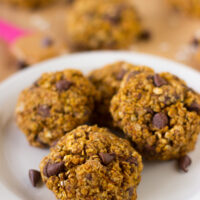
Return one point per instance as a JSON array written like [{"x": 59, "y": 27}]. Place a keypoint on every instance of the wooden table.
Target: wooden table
[{"x": 171, "y": 31}]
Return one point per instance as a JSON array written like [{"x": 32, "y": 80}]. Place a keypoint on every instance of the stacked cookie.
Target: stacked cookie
[{"x": 158, "y": 114}]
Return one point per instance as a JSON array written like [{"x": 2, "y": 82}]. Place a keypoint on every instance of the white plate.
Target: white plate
[{"x": 160, "y": 181}]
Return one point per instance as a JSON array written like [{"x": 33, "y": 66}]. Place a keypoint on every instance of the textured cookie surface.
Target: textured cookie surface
[
  {"x": 107, "y": 81},
  {"x": 159, "y": 113},
  {"x": 29, "y": 3},
  {"x": 92, "y": 163},
  {"x": 188, "y": 6},
  {"x": 102, "y": 24},
  {"x": 55, "y": 104}
]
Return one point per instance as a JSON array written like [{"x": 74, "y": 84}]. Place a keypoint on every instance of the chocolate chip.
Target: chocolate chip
[
  {"x": 47, "y": 42},
  {"x": 184, "y": 162},
  {"x": 106, "y": 158},
  {"x": 121, "y": 75},
  {"x": 21, "y": 64},
  {"x": 43, "y": 110},
  {"x": 145, "y": 35},
  {"x": 159, "y": 81},
  {"x": 194, "y": 107},
  {"x": 195, "y": 42},
  {"x": 34, "y": 177},
  {"x": 132, "y": 160},
  {"x": 160, "y": 120},
  {"x": 53, "y": 169},
  {"x": 63, "y": 85}
]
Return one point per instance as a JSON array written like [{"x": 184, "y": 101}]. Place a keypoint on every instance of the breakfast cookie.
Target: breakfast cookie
[
  {"x": 36, "y": 47},
  {"x": 29, "y": 3},
  {"x": 102, "y": 24},
  {"x": 159, "y": 113},
  {"x": 107, "y": 82},
  {"x": 92, "y": 163},
  {"x": 55, "y": 104},
  {"x": 188, "y": 6}
]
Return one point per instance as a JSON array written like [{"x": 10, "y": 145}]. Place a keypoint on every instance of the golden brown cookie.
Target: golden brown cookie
[
  {"x": 107, "y": 81},
  {"x": 159, "y": 113},
  {"x": 102, "y": 24},
  {"x": 29, "y": 3},
  {"x": 55, "y": 104},
  {"x": 36, "y": 47},
  {"x": 92, "y": 163}
]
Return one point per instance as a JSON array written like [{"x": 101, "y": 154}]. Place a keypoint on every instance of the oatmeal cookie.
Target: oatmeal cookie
[
  {"x": 55, "y": 104},
  {"x": 159, "y": 113},
  {"x": 102, "y": 24},
  {"x": 107, "y": 81},
  {"x": 92, "y": 163}
]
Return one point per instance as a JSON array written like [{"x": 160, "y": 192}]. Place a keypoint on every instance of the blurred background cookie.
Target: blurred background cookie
[
  {"x": 29, "y": 3},
  {"x": 191, "y": 7},
  {"x": 102, "y": 24}
]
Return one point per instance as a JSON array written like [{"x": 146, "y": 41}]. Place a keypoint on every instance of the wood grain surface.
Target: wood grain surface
[{"x": 171, "y": 31}]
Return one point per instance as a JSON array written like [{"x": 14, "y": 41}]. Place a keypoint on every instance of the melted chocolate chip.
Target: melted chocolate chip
[
  {"x": 184, "y": 162},
  {"x": 195, "y": 42},
  {"x": 53, "y": 169},
  {"x": 63, "y": 85},
  {"x": 106, "y": 158},
  {"x": 47, "y": 42},
  {"x": 44, "y": 111},
  {"x": 159, "y": 81},
  {"x": 160, "y": 120},
  {"x": 145, "y": 35},
  {"x": 194, "y": 107},
  {"x": 21, "y": 64},
  {"x": 34, "y": 177}
]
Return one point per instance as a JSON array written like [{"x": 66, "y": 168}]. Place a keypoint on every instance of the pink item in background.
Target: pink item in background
[{"x": 10, "y": 33}]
